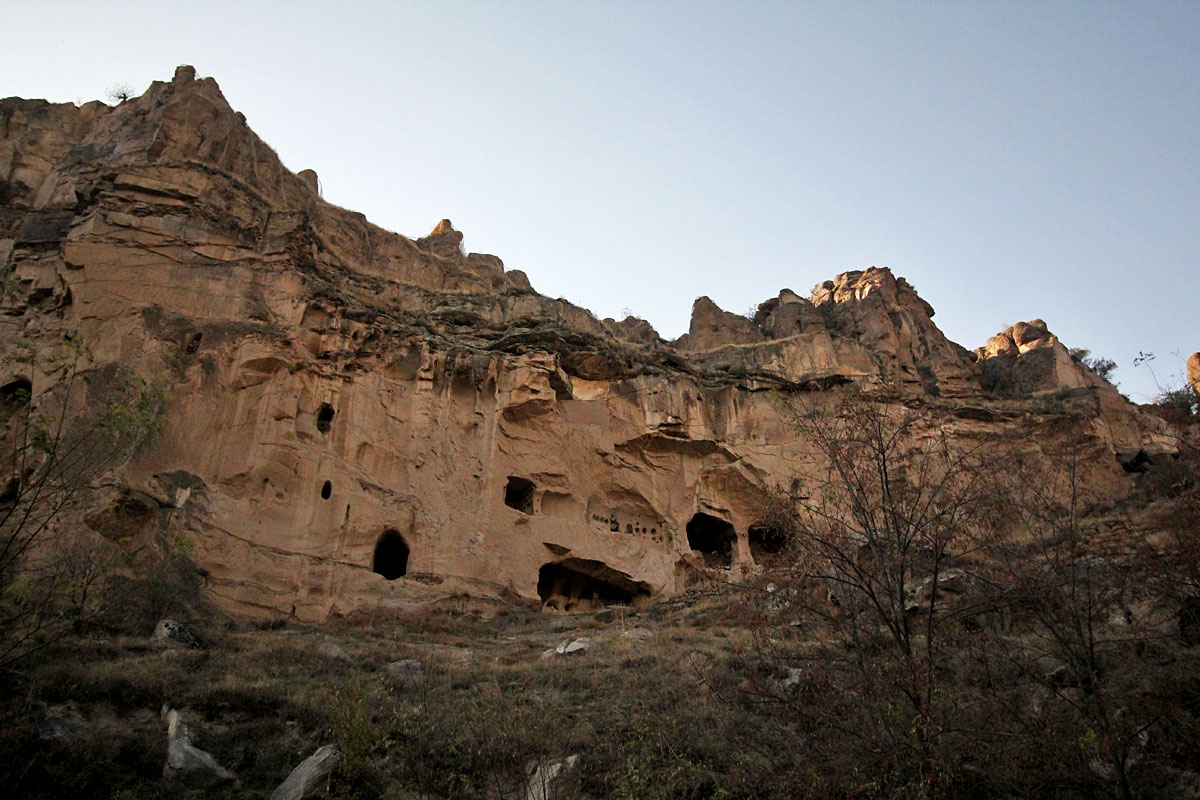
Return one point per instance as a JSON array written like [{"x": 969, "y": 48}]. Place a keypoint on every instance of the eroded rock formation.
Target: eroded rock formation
[{"x": 358, "y": 420}]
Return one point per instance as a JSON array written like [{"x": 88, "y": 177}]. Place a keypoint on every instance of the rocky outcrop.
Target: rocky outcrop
[
  {"x": 357, "y": 420},
  {"x": 1193, "y": 371},
  {"x": 865, "y": 327},
  {"x": 885, "y": 316},
  {"x": 1027, "y": 359}
]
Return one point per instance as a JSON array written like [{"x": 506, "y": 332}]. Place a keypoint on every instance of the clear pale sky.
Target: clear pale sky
[{"x": 1012, "y": 160}]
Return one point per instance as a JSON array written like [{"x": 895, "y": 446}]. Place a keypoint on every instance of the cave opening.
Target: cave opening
[
  {"x": 766, "y": 540},
  {"x": 324, "y": 418},
  {"x": 326, "y": 490},
  {"x": 391, "y": 555},
  {"x": 193, "y": 343},
  {"x": 16, "y": 393},
  {"x": 577, "y": 585},
  {"x": 713, "y": 537},
  {"x": 518, "y": 494},
  {"x": 8, "y": 497}
]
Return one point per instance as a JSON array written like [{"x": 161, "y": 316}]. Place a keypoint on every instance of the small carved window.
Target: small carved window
[{"x": 518, "y": 494}]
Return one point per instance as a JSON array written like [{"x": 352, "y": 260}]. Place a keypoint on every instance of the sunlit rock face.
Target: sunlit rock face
[
  {"x": 1028, "y": 358},
  {"x": 357, "y": 420}
]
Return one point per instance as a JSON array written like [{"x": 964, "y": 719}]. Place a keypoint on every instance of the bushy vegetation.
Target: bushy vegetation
[
  {"x": 967, "y": 617},
  {"x": 52, "y": 448},
  {"x": 1104, "y": 367}
]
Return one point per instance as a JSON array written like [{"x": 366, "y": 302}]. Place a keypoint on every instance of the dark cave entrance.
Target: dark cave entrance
[
  {"x": 518, "y": 494},
  {"x": 193, "y": 343},
  {"x": 14, "y": 395},
  {"x": 391, "y": 555},
  {"x": 766, "y": 541},
  {"x": 578, "y": 584},
  {"x": 324, "y": 418},
  {"x": 713, "y": 537},
  {"x": 326, "y": 490}
]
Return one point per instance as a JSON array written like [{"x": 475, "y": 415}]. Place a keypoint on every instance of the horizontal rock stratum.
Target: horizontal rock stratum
[{"x": 356, "y": 420}]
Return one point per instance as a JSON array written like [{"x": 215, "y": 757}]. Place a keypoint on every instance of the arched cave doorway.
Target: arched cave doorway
[
  {"x": 391, "y": 555},
  {"x": 518, "y": 494},
  {"x": 713, "y": 537},
  {"x": 326, "y": 490}
]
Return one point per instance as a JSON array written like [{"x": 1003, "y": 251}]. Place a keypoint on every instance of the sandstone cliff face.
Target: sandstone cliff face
[{"x": 359, "y": 420}]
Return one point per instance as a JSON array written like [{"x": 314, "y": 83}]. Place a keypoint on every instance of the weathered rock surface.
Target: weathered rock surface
[
  {"x": 568, "y": 647},
  {"x": 1027, "y": 358},
  {"x": 185, "y": 760},
  {"x": 356, "y": 420},
  {"x": 552, "y": 780},
  {"x": 173, "y": 632},
  {"x": 310, "y": 775},
  {"x": 1193, "y": 371}
]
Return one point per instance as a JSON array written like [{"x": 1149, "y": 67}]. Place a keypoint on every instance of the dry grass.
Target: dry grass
[{"x": 485, "y": 705}]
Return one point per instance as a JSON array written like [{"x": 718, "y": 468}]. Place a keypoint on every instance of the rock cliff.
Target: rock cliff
[{"x": 358, "y": 420}]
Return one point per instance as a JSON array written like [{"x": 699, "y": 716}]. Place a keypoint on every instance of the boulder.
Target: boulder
[
  {"x": 633, "y": 329},
  {"x": 443, "y": 240},
  {"x": 568, "y": 647},
  {"x": 310, "y": 776},
  {"x": 185, "y": 760},
  {"x": 552, "y": 780},
  {"x": 310, "y": 179},
  {"x": 175, "y": 633},
  {"x": 517, "y": 279},
  {"x": 1027, "y": 359},
  {"x": 1027, "y": 335},
  {"x": 711, "y": 328}
]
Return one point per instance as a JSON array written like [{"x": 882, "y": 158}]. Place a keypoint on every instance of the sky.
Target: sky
[{"x": 1012, "y": 160}]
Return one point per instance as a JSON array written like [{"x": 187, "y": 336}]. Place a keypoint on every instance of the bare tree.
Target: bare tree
[
  {"x": 895, "y": 507},
  {"x": 967, "y": 609},
  {"x": 53, "y": 446}
]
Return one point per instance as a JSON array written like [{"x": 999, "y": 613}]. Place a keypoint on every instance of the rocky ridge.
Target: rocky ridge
[{"x": 358, "y": 420}]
